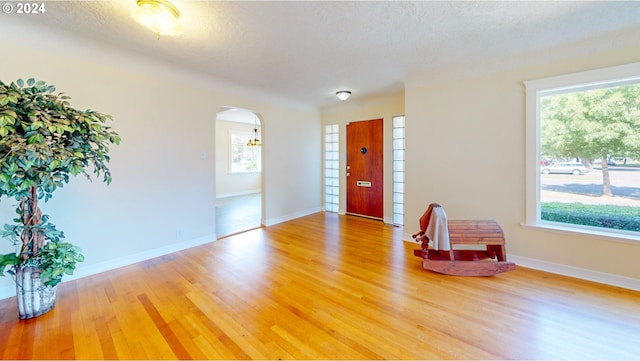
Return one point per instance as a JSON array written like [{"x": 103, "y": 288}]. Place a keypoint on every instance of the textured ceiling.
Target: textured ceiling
[{"x": 305, "y": 51}]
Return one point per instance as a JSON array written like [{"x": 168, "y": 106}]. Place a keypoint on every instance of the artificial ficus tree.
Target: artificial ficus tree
[{"x": 44, "y": 141}]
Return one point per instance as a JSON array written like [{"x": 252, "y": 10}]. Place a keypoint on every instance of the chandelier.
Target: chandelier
[{"x": 254, "y": 142}]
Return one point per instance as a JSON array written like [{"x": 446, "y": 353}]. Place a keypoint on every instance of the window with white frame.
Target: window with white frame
[
  {"x": 398, "y": 169},
  {"x": 244, "y": 158},
  {"x": 583, "y": 152},
  {"x": 331, "y": 168}
]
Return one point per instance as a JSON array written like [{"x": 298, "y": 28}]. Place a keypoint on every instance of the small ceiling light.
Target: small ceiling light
[
  {"x": 160, "y": 16},
  {"x": 343, "y": 94},
  {"x": 255, "y": 142}
]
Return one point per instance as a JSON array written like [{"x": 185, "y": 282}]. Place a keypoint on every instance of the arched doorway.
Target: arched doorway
[{"x": 239, "y": 192}]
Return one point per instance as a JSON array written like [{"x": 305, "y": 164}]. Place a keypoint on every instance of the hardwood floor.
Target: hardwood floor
[{"x": 322, "y": 287}]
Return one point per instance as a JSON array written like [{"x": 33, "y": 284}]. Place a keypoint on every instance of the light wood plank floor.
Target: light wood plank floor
[{"x": 322, "y": 287}]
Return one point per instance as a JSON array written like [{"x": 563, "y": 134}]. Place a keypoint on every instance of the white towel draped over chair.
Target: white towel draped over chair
[{"x": 437, "y": 229}]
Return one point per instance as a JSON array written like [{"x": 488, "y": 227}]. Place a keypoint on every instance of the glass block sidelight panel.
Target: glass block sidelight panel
[
  {"x": 398, "y": 122},
  {"x": 398, "y": 151},
  {"x": 398, "y": 154},
  {"x": 331, "y": 170}
]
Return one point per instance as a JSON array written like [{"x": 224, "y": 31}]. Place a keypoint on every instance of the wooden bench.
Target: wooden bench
[{"x": 467, "y": 262}]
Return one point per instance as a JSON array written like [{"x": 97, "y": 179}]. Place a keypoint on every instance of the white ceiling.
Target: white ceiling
[{"x": 305, "y": 51}]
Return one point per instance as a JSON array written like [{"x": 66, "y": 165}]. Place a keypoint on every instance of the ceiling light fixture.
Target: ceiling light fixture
[
  {"x": 160, "y": 16},
  {"x": 255, "y": 142},
  {"x": 343, "y": 94}
]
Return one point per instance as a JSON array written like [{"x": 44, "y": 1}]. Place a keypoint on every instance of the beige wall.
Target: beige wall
[
  {"x": 466, "y": 151},
  {"x": 164, "y": 170},
  {"x": 353, "y": 110}
]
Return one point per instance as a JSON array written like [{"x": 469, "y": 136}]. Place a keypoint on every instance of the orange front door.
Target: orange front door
[{"x": 364, "y": 168}]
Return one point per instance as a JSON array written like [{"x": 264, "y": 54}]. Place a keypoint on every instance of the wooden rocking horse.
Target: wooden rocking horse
[{"x": 444, "y": 234}]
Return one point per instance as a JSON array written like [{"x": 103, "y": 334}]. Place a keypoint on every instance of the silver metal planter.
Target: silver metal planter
[{"x": 34, "y": 298}]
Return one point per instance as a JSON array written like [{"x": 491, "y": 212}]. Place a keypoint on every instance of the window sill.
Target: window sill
[{"x": 626, "y": 237}]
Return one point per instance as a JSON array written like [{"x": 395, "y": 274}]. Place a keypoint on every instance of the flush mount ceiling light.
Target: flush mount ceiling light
[
  {"x": 343, "y": 94},
  {"x": 160, "y": 16}
]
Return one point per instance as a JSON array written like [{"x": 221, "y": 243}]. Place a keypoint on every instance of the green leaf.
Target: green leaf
[
  {"x": 26, "y": 164},
  {"x": 10, "y": 115},
  {"x": 8, "y": 260},
  {"x": 54, "y": 164},
  {"x": 13, "y": 168},
  {"x": 76, "y": 169},
  {"x": 36, "y": 138}
]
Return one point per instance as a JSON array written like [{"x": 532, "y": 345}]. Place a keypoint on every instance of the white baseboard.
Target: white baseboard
[
  {"x": 570, "y": 271},
  {"x": 89, "y": 270},
  {"x": 234, "y": 194},
  {"x": 577, "y": 272},
  {"x": 288, "y": 217}
]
